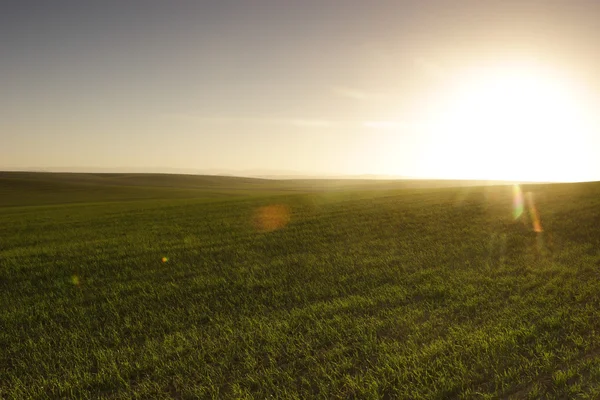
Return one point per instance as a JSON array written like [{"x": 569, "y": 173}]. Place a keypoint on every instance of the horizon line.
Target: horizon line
[{"x": 284, "y": 175}]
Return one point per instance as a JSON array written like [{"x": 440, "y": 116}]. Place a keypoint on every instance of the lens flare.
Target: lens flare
[
  {"x": 517, "y": 201},
  {"x": 535, "y": 217},
  {"x": 272, "y": 217}
]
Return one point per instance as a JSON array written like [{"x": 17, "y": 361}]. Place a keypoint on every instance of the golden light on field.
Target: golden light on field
[
  {"x": 514, "y": 122},
  {"x": 272, "y": 217}
]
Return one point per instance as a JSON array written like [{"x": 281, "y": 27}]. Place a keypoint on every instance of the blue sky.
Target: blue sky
[{"x": 314, "y": 87}]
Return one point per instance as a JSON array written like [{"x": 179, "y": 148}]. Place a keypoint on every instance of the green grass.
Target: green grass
[{"x": 368, "y": 291}]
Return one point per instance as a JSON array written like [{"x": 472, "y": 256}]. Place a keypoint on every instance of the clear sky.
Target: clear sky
[{"x": 451, "y": 89}]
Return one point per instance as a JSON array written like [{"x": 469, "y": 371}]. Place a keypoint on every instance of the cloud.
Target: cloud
[
  {"x": 383, "y": 125},
  {"x": 358, "y": 94},
  {"x": 394, "y": 125},
  {"x": 298, "y": 122},
  {"x": 313, "y": 123},
  {"x": 350, "y": 92},
  {"x": 430, "y": 68}
]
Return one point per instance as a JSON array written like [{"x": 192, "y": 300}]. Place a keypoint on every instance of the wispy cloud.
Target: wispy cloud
[
  {"x": 313, "y": 123},
  {"x": 358, "y": 94},
  {"x": 430, "y": 68},
  {"x": 225, "y": 120},
  {"x": 383, "y": 125},
  {"x": 297, "y": 122},
  {"x": 394, "y": 125}
]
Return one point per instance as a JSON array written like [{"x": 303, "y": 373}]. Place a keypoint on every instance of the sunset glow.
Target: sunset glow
[
  {"x": 510, "y": 122},
  {"x": 487, "y": 90}
]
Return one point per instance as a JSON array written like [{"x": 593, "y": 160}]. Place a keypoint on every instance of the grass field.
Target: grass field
[{"x": 124, "y": 286}]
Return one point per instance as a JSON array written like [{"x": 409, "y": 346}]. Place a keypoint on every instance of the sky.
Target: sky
[{"x": 327, "y": 87}]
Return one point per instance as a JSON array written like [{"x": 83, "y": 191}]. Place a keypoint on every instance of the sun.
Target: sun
[{"x": 509, "y": 122}]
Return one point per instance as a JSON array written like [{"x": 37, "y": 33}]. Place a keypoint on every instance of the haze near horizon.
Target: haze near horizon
[{"x": 503, "y": 90}]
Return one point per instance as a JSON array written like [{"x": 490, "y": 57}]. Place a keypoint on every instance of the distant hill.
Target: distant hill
[{"x": 31, "y": 188}]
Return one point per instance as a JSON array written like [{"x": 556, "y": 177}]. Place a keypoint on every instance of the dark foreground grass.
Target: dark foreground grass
[{"x": 416, "y": 293}]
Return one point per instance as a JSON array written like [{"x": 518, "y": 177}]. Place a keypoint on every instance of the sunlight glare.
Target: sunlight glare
[
  {"x": 517, "y": 201},
  {"x": 512, "y": 122},
  {"x": 272, "y": 217},
  {"x": 533, "y": 212}
]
